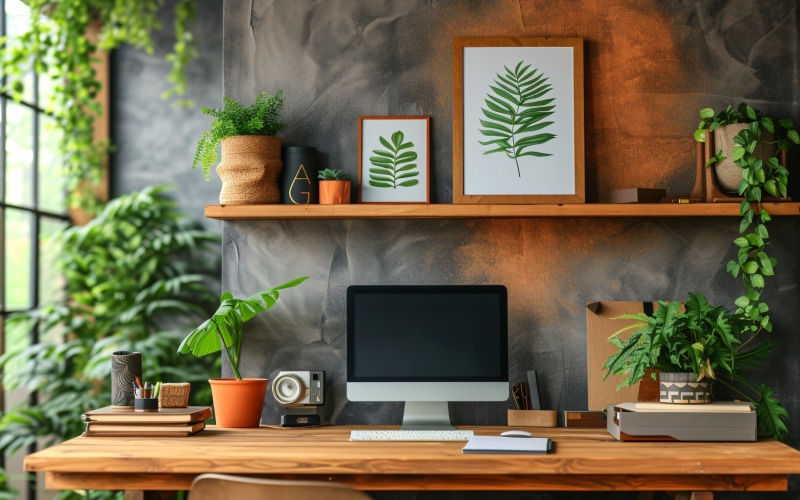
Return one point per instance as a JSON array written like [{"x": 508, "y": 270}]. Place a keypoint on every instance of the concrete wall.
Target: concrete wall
[
  {"x": 649, "y": 67},
  {"x": 155, "y": 141}
]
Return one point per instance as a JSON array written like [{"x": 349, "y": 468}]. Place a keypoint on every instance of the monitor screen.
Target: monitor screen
[{"x": 427, "y": 334}]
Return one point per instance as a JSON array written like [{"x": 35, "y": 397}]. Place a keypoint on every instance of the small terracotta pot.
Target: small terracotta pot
[
  {"x": 683, "y": 388},
  {"x": 334, "y": 192},
  {"x": 237, "y": 403},
  {"x": 250, "y": 170}
]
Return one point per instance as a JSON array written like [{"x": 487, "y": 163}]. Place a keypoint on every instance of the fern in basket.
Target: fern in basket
[
  {"x": 514, "y": 110},
  {"x": 260, "y": 118},
  {"x": 393, "y": 168}
]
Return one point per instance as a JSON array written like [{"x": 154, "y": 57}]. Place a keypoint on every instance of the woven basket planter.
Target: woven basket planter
[
  {"x": 250, "y": 170},
  {"x": 174, "y": 395}
]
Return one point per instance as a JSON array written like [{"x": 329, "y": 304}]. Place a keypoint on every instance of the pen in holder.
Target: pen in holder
[{"x": 144, "y": 400}]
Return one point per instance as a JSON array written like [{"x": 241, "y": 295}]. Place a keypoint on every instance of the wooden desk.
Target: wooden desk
[{"x": 583, "y": 460}]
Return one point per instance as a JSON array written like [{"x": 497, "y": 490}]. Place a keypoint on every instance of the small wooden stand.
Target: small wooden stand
[
  {"x": 532, "y": 418},
  {"x": 705, "y": 185}
]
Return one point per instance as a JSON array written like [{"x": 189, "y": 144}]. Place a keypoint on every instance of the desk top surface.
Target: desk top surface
[{"x": 327, "y": 450}]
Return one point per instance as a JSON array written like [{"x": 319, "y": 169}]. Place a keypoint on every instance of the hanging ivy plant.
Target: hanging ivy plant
[{"x": 56, "y": 47}]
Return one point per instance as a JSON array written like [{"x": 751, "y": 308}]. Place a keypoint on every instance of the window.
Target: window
[{"x": 32, "y": 206}]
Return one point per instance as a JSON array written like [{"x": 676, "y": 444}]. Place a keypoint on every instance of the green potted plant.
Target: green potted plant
[
  {"x": 716, "y": 342},
  {"x": 334, "y": 187},
  {"x": 251, "y": 154},
  {"x": 744, "y": 131},
  {"x": 237, "y": 401}
]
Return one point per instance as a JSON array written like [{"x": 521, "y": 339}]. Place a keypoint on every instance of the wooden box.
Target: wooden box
[{"x": 532, "y": 418}]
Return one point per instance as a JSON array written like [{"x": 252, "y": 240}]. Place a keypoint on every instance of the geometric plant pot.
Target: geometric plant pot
[{"x": 683, "y": 388}]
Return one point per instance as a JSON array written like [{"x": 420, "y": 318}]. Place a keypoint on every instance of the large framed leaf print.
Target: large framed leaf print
[
  {"x": 518, "y": 120},
  {"x": 393, "y": 159}
]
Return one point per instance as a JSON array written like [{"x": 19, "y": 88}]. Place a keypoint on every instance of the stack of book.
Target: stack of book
[
  {"x": 166, "y": 422},
  {"x": 715, "y": 421}
]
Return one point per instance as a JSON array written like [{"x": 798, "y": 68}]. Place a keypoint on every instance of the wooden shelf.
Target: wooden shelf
[{"x": 422, "y": 211}]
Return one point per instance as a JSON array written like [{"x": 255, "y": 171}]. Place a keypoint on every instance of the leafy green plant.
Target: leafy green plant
[
  {"x": 711, "y": 341},
  {"x": 697, "y": 340},
  {"x": 225, "y": 326},
  {"x": 332, "y": 174},
  {"x": 394, "y": 164},
  {"x": 260, "y": 118},
  {"x": 514, "y": 110},
  {"x": 759, "y": 175},
  {"x": 135, "y": 276},
  {"x": 56, "y": 47}
]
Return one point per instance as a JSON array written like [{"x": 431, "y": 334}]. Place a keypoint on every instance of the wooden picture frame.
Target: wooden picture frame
[
  {"x": 394, "y": 157},
  {"x": 489, "y": 165}
]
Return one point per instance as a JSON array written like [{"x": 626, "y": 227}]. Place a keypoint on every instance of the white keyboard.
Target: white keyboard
[{"x": 398, "y": 435}]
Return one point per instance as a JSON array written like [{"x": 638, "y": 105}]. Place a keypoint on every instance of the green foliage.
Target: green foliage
[
  {"x": 332, "y": 174},
  {"x": 134, "y": 277},
  {"x": 514, "y": 110},
  {"x": 698, "y": 340},
  {"x": 224, "y": 327},
  {"x": 713, "y": 341},
  {"x": 260, "y": 118},
  {"x": 394, "y": 164},
  {"x": 56, "y": 47}
]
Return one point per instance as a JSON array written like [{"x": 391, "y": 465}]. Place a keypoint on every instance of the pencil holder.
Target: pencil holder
[
  {"x": 174, "y": 395},
  {"x": 125, "y": 367},
  {"x": 145, "y": 404}
]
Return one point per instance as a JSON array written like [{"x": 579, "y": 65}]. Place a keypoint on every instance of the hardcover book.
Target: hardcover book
[
  {"x": 162, "y": 416},
  {"x": 143, "y": 430}
]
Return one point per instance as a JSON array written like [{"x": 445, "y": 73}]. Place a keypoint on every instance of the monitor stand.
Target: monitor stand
[{"x": 426, "y": 415}]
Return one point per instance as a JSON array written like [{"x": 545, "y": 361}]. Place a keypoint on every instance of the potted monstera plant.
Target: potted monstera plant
[
  {"x": 237, "y": 401},
  {"x": 251, "y": 154}
]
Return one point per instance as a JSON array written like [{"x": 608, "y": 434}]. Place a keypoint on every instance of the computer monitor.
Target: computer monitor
[{"x": 427, "y": 345}]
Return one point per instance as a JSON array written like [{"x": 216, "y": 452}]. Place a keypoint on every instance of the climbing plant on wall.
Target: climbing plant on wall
[{"x": 61, "y": 44}]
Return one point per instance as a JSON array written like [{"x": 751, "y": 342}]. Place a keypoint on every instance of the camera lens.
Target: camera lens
[{"x": 287, "y": 389}]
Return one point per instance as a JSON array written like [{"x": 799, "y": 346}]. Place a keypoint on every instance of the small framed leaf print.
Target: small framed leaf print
[
  {"x": 393, "y": 159},
  {"x": 518, "y": 120}
]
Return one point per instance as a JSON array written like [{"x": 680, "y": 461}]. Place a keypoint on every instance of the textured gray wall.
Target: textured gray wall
[
  {"x": 649, "y": 66},
  {"x": 155, "y": 141}
]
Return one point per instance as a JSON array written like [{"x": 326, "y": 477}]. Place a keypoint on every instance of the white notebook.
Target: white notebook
[{"x": 499, "y": 444}]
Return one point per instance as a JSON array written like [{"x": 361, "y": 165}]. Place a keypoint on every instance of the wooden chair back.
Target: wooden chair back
[{"x": 226, "y": 487}]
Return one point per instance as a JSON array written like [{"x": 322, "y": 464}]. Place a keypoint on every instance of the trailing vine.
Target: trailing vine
[{"x": 56, "y": 47}]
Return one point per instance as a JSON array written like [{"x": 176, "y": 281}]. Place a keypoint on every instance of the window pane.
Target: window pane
[
  {"x": 52, "y": 181},
  {"x": 18, "y": 240},
  {"x": 16, "y": 336},
  {"x": 51, "y": 282},
  {"x": 19, "y": 154},
  {"x": 18, "y": 17}
]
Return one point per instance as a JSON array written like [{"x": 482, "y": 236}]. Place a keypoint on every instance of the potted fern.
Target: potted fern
[
  {"x": 334, "y": 187},
  {"x": 251, "y": 154},
  {"x": 238, "y": 400}
]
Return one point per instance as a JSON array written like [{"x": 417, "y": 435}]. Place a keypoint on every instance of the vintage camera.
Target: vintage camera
[{"x": 299, "y": 392}]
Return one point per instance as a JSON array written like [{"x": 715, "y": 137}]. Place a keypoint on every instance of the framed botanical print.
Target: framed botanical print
[
  {"x": 394, "y": 159},
  {"x": 518, "y": 120}
]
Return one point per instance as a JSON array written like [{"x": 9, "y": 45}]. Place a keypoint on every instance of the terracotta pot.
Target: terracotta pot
[
  {"x": 334, "y": 192},
  {"x": 727, "y": 173},
  {"x": 250, "y": 170},
  {"x": 237, "y": 403},
  {"x": 684, "y": 388}
]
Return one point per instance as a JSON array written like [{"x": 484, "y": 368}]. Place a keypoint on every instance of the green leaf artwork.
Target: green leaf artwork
[
  {"x": 515, "y": 109},
  {"x": 393, "y": 167}
]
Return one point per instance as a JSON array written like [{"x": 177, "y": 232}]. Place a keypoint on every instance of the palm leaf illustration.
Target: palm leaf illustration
[
  {"x": 393, "y": 167},
  {"x": 515, "y": 109}
]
